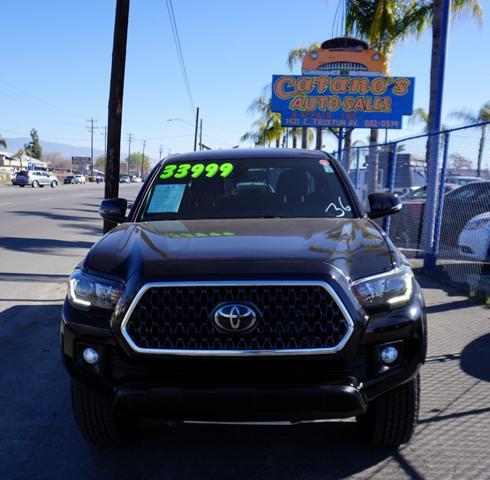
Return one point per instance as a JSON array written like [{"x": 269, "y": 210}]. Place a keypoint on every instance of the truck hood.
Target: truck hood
[{"x": 177, "y": 250}]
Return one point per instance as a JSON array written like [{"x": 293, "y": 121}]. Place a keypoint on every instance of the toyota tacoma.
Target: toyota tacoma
[{"x": 245, "y": 285}]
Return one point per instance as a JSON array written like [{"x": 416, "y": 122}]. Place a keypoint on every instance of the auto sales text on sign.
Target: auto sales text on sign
[{"x": 349, "y": 99}]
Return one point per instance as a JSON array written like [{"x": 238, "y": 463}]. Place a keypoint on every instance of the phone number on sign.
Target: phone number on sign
[{"x": 382, "y": 124}]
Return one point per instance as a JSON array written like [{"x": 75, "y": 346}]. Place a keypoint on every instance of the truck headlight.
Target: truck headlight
[
  {"x": 86, "y": 291},
  {"x": 394, "y": 288}
]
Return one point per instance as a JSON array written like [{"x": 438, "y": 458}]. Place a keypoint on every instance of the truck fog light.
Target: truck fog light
[
  {"x": 90, "y": 356},
  {"x": 389, "y": 355}
]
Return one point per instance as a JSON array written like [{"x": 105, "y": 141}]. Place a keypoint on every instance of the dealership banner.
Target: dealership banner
[{"x": 342, "y": 101}]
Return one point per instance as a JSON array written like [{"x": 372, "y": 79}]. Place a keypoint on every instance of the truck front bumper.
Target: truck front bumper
[{"x": 242, "y": 403}]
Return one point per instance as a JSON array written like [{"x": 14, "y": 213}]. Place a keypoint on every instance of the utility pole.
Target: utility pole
[
  {"x": 200, "y": 135},
  {"x": 130, "y": 139},
  {"x": 113, "y": 160},
  {"x": 116, "y": 94},
  {"x": 160, "y": 152},
  {"x": 143, "y": 158},
  {"x": 195, "y": 131},
  {"x": 91, "y": 129}
]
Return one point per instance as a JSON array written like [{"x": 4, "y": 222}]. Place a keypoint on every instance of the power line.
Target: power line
[{"x": 180, "y": 55}]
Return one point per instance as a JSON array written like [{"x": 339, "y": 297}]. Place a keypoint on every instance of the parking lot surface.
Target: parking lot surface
[{"x": 44, "y": 233}]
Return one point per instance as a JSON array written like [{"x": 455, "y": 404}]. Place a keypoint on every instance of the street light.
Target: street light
[
  {"x": 188, "y": 123},
  {"x": 179, "y": 120}
]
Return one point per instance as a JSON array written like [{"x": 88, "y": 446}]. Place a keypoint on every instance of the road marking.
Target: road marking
[{"x": 6, "y": 203}]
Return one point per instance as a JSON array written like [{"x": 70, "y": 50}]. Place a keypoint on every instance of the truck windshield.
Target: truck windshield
[{"x": 247, "y": 188}]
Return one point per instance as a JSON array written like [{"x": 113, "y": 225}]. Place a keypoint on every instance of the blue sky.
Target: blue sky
[{"x": 56, "y": 60}]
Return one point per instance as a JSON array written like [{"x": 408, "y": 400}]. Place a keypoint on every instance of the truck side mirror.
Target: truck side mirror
[
  {"x": 114, "y": 209},
  {"x": 382, "y": 204}
]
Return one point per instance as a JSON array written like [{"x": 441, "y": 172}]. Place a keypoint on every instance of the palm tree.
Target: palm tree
[
  {"x": 425, "y": 14},
  {"x": 20, "y": 156},
  {"x": 295, "y": 56},
  {"x": 420, "y": 115},
  {"x": 469, "y": 117},
  {"x": 268, "y": 126},
  {"x": 3, "y": 143}
]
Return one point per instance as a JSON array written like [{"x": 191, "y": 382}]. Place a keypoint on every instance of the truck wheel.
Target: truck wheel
[
  {"x": 54, "y": 184},
  {"x": 391, "y": 418},
  {"x": 35, "y": 184},
  {"x": 96, "y": 420}
]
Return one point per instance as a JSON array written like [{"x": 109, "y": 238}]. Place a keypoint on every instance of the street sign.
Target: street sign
[
  {"x": 352, "y": 101},
  {"x": 80, "y": 163}
]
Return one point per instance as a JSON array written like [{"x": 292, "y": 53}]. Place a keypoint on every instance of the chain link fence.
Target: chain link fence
[{"x": 444, "y": 225}]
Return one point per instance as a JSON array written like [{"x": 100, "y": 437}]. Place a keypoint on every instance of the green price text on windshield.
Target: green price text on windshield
[{"x": 183, "y": 170}]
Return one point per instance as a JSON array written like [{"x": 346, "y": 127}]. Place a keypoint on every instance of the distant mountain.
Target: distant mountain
[{"x": 14, "y": 144}]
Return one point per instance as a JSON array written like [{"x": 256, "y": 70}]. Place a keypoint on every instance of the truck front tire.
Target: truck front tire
[
  {"x": 391, "y": 418},
  {"x": 96, "y": 420}
]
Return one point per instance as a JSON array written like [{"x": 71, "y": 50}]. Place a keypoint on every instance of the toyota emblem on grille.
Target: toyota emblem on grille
[{"x": 235, "y": 318}]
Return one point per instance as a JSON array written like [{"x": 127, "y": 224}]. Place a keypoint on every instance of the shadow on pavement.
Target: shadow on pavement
[
  {"x": 39, "y": 435},
  {"x": 32, "y": 277},
  {"x": 85, "y": 228},
  {"x": 475, "y": 358},
  {"x": 86, "y": 210},
  {"x": 450, "y": 306},
  {"x": 40, "y": 245},
  {"x": 51, "y": 216}
]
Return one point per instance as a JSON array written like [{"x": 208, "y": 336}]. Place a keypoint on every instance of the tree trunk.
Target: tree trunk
[
  {"x": 480, "y": 149},
  {"x": 373, "y": 162},
  {"x": 304, "y": 137},
  {"x": 295, "y": 138},
  {"x": 434, "y": 72},
  {"x": 346, "y": 156},
  {"x": 428, "y": 219},
  {"x": 278, "y": 142},
  {"x": 319, "y": 139}
]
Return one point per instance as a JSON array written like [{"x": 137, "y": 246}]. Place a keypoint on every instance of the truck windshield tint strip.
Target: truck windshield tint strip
[{"x": 247, "y": 188}]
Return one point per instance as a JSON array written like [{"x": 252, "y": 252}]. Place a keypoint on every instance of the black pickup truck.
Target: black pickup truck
[{"x": 245, "y": 285}]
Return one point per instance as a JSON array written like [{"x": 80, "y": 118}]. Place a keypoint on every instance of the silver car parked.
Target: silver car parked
[{"x": 35, "y": 178}]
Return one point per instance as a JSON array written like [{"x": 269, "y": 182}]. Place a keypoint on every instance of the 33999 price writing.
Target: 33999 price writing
[{"x": 183, "y": 170}]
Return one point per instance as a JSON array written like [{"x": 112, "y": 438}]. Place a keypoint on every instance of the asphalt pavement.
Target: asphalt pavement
[{"x": 44, "y": 233}]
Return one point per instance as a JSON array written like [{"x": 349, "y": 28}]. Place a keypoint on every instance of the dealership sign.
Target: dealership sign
[{"x": 342, "y": 101}]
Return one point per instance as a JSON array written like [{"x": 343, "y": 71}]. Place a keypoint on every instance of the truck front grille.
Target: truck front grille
[{"x": 292, "y": 318}]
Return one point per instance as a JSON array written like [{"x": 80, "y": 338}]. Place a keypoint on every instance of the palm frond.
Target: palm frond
[
  {"x": 484, "y": 113},
  {"x": 467, "y": 8},
  {"x": 420, "y": 115},
  {"x": 296, "y": 54},
  {"x": 467, "y": 116}
]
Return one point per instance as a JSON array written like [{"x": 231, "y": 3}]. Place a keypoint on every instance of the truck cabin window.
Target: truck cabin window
[{"x": 247, "y": 188}]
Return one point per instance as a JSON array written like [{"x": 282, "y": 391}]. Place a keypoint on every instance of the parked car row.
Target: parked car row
[
  {"x": 465, "y": 220},
  {"x": 474, "y": 240},
  {"x": 40, "y": 178},
  {"x": 75, "y": 179},
  {"x": 35, "y": 179},
  {"x": 130, "y": 179}
]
